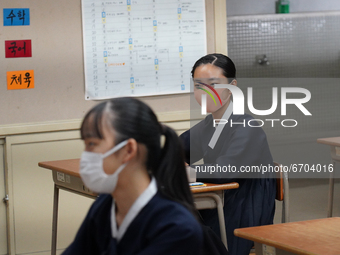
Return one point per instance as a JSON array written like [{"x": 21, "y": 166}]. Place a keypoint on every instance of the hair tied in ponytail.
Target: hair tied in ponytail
[
  {"x": 163, "y": 134},
  {"x": 163, "y": 129}
]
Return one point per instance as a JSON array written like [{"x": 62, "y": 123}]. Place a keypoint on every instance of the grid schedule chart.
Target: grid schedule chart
[{"x": 141, "y": 47}]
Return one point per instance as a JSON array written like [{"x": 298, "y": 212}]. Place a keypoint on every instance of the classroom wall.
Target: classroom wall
[
  {"x": 42, "y": 124},
  {"x": 248, "y": 7},
  {"x": 3, "y": 224},
  {"x": 57, "y": 61}
]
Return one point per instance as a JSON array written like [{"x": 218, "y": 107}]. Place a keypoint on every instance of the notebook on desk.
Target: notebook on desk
[{"x": 197, "y": 184}]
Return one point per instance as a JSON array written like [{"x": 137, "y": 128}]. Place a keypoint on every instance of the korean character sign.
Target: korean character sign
[
  {"x": 16, "y": 16},
  {"x": 20, "y": 79},
  {"x": 18, "y": 49}
]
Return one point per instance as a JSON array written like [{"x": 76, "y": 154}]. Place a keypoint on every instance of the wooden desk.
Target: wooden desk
[
  {"x": 305, "y": 237},
  {"x": 66, "y": 177},
  {"x": 334, "y": 143}
]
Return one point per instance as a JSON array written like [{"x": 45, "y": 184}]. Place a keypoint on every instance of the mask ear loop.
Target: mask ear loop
[{"x": 115, "y": 148}]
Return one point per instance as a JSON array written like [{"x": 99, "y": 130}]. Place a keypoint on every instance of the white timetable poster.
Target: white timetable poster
[{"x": 141, "y": 47}]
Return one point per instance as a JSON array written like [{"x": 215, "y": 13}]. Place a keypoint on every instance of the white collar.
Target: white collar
[{"x": 137, "y": 206}]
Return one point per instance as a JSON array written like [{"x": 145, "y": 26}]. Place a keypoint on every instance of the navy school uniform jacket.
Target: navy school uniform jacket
[
  {"x": 161, "y": 227},
  {"x": 253, "y": 203}
]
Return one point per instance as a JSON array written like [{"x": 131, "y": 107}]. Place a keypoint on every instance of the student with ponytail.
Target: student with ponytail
[{"x": 145, "y": 204}]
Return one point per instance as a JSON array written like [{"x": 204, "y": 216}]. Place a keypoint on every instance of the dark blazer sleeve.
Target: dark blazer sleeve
[
  {"x": 185, "y": 139},
  {"x": 246, "y": 147},
  {"x": 84, "y": 242},
  {"x": 174, "y": 239},
  {"x": 94, "y": 234},
  {"x": 212, "y": 244},
  {"x": 192, "y": 147},
  {"x": 172, "y": 229}
]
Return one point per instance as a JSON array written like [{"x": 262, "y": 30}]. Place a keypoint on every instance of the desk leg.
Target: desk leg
[
  {"x": 219, "y": 206},
  {"x": 221, "y": 220},
  {"x": 55, "y": 220},
  {"x": 331, "y": 192}
]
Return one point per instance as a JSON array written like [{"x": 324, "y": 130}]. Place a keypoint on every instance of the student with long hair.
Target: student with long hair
[
  {"x": 238, "y": 145},
  {"x": 145, "y": 206}
]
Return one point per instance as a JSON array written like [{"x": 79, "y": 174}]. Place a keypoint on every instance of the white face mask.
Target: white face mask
[{"x": 92, "y": 172}]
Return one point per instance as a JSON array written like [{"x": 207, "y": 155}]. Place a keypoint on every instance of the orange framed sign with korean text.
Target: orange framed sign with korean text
[{"x": 20, "y": 79}]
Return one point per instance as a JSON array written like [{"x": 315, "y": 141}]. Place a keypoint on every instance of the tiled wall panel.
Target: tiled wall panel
[
  {"x": 303, "y": 50},
  {"x": 296, "y": 45}
]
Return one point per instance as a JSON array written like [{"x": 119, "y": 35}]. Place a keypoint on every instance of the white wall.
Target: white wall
[
  {"x": 250, "y": 7},
  {"x": 57, "y": 60}
]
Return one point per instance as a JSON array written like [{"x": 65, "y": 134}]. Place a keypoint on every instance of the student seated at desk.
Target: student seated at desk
[
  {"x": 253, "y": 203},
  {"x": 145, "y": 206}
]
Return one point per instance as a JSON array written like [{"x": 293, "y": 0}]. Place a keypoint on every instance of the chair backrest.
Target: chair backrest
[
  {"x": 279, "y": 183},
  {"x": 282, "y": 191}
]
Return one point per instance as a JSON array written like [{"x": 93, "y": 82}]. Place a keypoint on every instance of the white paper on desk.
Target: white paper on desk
[{"x": 191, "y": 173}]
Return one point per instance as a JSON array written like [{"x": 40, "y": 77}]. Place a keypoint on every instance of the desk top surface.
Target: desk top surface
[
  {"x": 333, "y": 141},
  {"x": 71, "y": 167},
  {"x": 319, "y": 236}
]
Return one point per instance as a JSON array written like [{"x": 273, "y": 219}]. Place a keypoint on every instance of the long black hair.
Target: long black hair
[
  {"x": 219, "y": 60},
  {"x": 131, "y": 118}
]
